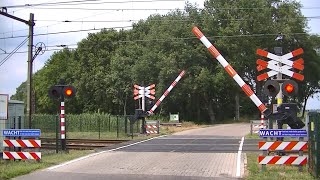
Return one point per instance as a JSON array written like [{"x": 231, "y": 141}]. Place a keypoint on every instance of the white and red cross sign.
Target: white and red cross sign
[
  {"x": 284, "y": 69},
  {"x": 141, "y": 91}
]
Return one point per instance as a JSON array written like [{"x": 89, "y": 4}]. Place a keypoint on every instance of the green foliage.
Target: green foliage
[{"x": 107, "y": 64}]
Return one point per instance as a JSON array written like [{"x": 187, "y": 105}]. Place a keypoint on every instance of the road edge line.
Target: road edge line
[
  {"x": 238, "y": 174},
  {"x": 101, "y": 152}
]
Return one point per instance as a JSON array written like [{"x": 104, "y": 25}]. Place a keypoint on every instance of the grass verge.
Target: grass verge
[
  {"x": 10, "y": 169},
  {"x": 283, "y": 172}
]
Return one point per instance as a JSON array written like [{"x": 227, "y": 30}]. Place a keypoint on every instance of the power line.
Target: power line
[
  {"x": 170, "y": 20},
  {"x": 175, "y": 39},
  {"x": 119, "y": 27},
  {"x": 108, "y": 9},
  {"x": 65, "y": 32},
  {"x": 86, "y": 2},
  {"x": 13, "y": 51}
]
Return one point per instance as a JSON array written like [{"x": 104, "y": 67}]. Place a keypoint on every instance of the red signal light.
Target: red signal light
[
  {"x": 69, "y": 91},
  {"x": 289, "y": 88}
]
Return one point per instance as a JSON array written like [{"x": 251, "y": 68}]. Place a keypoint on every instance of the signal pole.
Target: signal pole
[
  {"x": 30, "y": 63},
  {"x": 278, "y": 51}
]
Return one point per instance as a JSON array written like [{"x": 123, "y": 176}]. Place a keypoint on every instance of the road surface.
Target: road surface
[{"x": 205, "y": 153}]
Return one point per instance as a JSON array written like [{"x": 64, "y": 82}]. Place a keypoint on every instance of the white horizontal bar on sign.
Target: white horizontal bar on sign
[
  {"x": 151, "y": 86},
  {"x": 141, "y": 91},
  {"x": 138, "y": 87}
]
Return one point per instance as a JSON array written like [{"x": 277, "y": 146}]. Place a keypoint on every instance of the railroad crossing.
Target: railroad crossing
[{"x": 204, "y": 153}]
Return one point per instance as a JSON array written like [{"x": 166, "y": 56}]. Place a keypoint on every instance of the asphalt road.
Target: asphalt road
[{"x": 206, "y": 153}]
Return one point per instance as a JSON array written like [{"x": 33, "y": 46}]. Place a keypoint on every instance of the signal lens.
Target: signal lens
[
  {"x": 68, "y": 92},
  {"x": 289, "y": 88}
]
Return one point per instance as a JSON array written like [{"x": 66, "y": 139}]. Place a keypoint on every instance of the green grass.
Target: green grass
[
  {"x": 275, "y": 172},
  {"x": 283, "y": 172},
  {"x": 10, "y": 169}
]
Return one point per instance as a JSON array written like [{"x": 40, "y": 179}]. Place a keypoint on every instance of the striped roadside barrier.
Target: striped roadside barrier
[
  {"x": 19, "y": 143},
  {"x": 283, "y": 146},
  {"x": 152, "y": 127},
  {"x": 30, "y": 143},
  {"x": 286, "y": 160},
  {"x": 246, "y": 88},
  {"x": 22, "y": 155},
  {"x": 256, "y": 125}
]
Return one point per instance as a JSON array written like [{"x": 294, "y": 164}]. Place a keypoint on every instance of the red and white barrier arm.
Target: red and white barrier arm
[
  {"x": 246, "y": 88},
  {"x": 174, "y": 83}
]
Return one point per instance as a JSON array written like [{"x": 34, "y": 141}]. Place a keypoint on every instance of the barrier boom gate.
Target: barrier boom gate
[
  {"x": 246, "y": 88},
  {"x": 174, "y": 83}
]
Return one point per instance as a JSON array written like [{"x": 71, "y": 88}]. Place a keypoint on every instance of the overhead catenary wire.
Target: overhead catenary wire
[
  {"x": 86, "y": 2},
  {"x": 168, "y": 39},
  {"x": 169, "y": 20},
  {"x": 137, "y": 20},
  {"x": 13, "y": 52}
]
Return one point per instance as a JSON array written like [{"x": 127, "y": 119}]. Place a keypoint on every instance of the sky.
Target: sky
[{"x": 111, "y": 14}]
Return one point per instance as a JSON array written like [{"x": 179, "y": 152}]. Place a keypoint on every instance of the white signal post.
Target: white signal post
[{"x": 246, "y": 88}]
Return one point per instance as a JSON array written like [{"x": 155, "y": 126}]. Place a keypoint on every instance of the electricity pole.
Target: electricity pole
[
  {"x": 30, "y": 62},
  {"x": 31, "y": 24}
]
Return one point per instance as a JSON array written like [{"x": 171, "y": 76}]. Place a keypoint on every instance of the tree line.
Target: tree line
[{"x": 105, "y": 65}]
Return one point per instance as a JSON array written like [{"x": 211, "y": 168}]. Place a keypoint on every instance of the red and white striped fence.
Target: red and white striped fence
[
  {"x": 22, "y": 155},
  {"x": 152, "y": 127},
  {"x": 165, "y": 94},
  {"x": 246, "y": 88},
  {"x": 19, "y": 143},
  {"x": 30, "y": 143},
  {"x": 284, "y": 146},
  {"x": 287, "y": 160}
]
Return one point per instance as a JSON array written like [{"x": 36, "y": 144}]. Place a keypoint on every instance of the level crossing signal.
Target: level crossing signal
[
  {"x": 58, "y": 91},
  {"x": 285, "y": 68},
  {"x": 288, "y": 88},
  {"x": 140, "y": 91}
]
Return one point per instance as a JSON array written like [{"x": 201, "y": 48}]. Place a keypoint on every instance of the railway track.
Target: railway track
[{"x": 79, "y": 144}]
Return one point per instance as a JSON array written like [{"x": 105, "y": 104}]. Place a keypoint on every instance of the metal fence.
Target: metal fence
[{"x": 86, "y": 126}]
